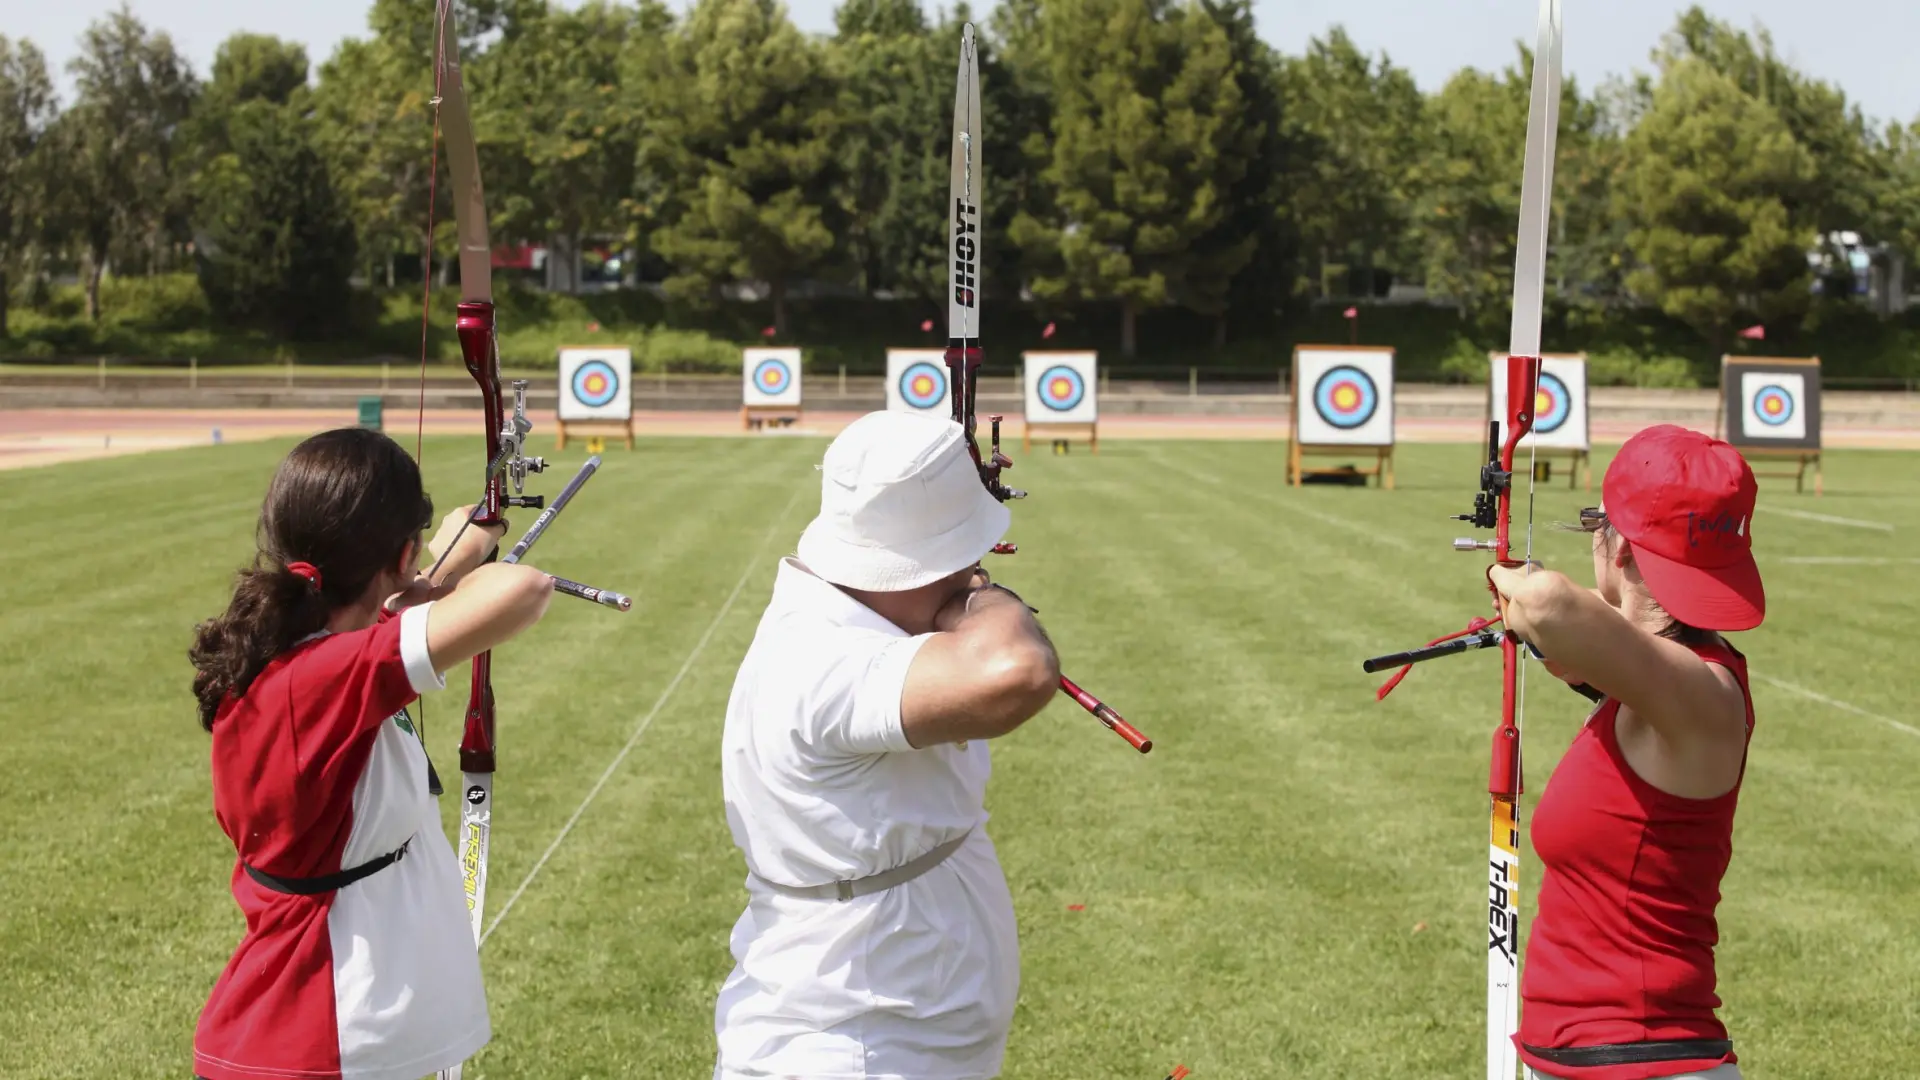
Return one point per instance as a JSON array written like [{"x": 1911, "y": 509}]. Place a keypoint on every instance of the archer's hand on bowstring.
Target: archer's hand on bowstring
[{"x": 452, "y": 554}]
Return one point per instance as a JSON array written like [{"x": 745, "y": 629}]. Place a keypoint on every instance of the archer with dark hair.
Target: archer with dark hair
[
  {"x": 358, "y": 956},
  {"x": 1635, "y": 830}
]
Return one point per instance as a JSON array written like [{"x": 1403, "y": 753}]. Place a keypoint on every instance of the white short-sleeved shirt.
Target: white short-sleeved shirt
[{"x": 821, "y": 785}]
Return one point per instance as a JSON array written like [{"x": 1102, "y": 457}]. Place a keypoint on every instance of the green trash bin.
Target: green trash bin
[{"x": 370, "y": 413}]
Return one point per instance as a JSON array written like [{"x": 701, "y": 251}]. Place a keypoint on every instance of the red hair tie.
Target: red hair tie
[{"x": 305, "y": 570}]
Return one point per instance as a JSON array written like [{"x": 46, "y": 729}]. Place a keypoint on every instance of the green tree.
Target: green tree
[
  {"x": 552, "y": 93},
  {"x": 1148, "y": 141},
  {"x": 118, "y": 141},
  {"x": 737, "y": 158},
  {"x": 1468, "y": 184},
  {"x": 274, "y": 245},
  {"x": 27, "y": 110},
  {"x": 1836, "y": 135},
  {"x": 896, "y": 75},
  {"x": 1258, "y": 203},
  {"x": 1715, "y": 193},
  {"x": 1355, "y": 132}
]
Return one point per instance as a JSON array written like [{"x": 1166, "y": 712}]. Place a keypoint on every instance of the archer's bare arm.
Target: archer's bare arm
[
  {"x": 490, "y": 606},
  {"x": 986, "y": 671}
]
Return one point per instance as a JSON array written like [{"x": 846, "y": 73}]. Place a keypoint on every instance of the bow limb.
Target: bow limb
[{"x": 963, "y": 356}]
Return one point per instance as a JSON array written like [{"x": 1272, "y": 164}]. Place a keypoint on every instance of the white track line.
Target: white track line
[
  {"x": 1843, "y": 560},
  {"x": 1829, "y": 519},
  {"x": 645, "y": 721},
  {"x": 1835, "y": 703}
]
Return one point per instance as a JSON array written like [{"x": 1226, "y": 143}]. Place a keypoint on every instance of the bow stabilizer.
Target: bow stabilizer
[{"x": 963, "y": 356}]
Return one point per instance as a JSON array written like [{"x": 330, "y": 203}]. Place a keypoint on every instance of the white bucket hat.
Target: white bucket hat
[{"x": 901, "y": 505}]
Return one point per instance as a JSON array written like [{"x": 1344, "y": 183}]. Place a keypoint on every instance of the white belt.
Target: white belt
[{"x": 873, "y": 883}]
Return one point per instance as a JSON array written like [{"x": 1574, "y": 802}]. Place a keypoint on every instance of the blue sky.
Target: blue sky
[{"x": 1865, "y": 46}]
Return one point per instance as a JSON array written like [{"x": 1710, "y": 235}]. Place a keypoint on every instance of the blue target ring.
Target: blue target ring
[
  {"x": 1345, "y": 397},
  {"x": 1552, "y": 405},
  {"x": 1061, "y": 388},
  {"x": 595, "y": 383},
  {"x": 772, "y": 377},
  {"x": 1773, "y": 406},
  {"x": 923, "y": 386}
]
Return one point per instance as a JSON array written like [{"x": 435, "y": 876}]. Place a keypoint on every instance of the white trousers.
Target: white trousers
[{"x": 1729, "y": 1071}]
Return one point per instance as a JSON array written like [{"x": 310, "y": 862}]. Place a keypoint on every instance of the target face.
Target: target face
[
  {"x": 1773, "y": 406},
  {"x": 595, "y": 383},
  {"x": 923, "y": 386},
  {"x": 1062, "y": 388},
  {"x": 772, "y": 376},
  {"x": 1776, "y": 404},
  {"x": 1552, "y": 404},
  {"x": 1345, "y": 397}
]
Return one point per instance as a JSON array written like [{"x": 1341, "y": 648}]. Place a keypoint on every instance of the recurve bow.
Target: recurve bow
[{"x": 963, "y": 354}]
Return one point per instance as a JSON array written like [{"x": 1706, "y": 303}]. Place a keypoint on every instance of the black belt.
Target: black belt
[
  {"x": 313, "y": 886},
  {"x": 1633, "y": 1053}
]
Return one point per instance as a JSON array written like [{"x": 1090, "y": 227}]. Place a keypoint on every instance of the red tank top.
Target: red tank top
[{"x": 1621, "y": 949}]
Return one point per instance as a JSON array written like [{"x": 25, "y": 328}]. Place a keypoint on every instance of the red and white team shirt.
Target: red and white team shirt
[{"x": 318, "y": 769}]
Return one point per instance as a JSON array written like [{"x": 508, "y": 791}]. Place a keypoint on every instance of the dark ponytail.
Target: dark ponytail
[{"x": 347, "y": 503}]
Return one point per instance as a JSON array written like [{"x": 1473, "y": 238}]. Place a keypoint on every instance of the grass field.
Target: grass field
[{"x": 1290, "y": 885}]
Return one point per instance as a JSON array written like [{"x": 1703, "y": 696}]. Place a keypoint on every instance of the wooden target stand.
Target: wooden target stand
[
  {"x": 1061, "y": 435},
  {"x": 754, "y": 417},
  {"x": 1801, "y": 458},
  {"x": 1297, "y": 451},
  {"x": 593, "y": 427}
]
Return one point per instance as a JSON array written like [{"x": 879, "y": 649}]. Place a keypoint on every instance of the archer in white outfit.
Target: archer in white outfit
[{"x": 878, "y": 939}]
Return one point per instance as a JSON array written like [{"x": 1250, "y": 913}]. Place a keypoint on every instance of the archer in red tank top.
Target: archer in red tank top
[{"x": 1635, "y": 829}]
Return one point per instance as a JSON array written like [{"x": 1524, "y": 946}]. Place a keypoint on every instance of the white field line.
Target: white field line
[
  {"x": 1828, "y": 519},
  {"x": 1835, "y": 703},
  {"x": 1844, "y": 560},
  {"x": 647, "y": 720}
]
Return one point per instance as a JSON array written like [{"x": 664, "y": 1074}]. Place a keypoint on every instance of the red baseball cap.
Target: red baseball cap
[{"x": 1685, "y": 503}]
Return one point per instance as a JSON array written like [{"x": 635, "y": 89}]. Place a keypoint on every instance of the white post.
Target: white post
[
  {"x": 193, "y": 373},
  {"x": 1193, "y": 382},
  {"x": 843, "y": 380}
]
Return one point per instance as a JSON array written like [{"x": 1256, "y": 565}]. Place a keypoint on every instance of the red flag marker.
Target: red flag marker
[
  {"x": 926, "y": 326},
  {"x": 593, "y": 328},
  {"x": 1756, "y": 332},
  {"x": 1076, "y": 907},
  {"x": 767, "y": 333},
  {"x": 1048, "y": 332},
  {"x": 1351, "y": 313}
]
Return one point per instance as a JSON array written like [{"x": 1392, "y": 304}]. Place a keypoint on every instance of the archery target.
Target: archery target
[
  {"x": 1773, "y": 405},
  {"x": 1061, "y": 387},
  {"x": 917, "y": 381},
  {"x": 1559, "y": 406},
  {"x": 1771, "y": 402},
  {"x": 1344, "y": 396},
  {"x": 596, "y": 384},
  {"x": 771, "y": 376}
]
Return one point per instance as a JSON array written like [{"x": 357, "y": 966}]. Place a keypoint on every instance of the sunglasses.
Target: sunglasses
[{"x": 1592, "y": 518}]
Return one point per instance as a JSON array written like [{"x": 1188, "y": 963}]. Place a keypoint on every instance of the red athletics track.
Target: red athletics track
[{"x": 33, "y": 437}]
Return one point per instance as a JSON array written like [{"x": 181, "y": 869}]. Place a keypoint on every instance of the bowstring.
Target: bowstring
[{"x": 426, "y": 293}]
